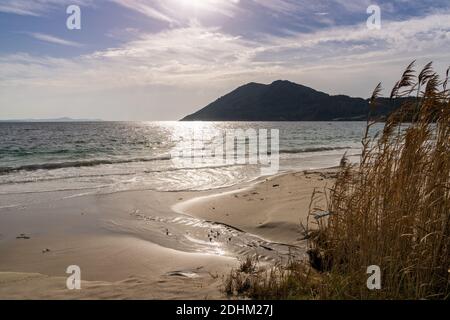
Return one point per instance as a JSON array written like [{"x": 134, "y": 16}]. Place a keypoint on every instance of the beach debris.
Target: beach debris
[
  {"x": 275, "y": 185},
  {"x": 321, "y": 215},
  {"x": 46, "y": 250},
  {"x": 23, "y": 236},
  {"x": 214, "y": 276},
  {"x": 318, "y": 260},
  {"x": 344, "y": 161},
  {"x": 135, "y": 212},
  {"x": 183, "y": 274}
]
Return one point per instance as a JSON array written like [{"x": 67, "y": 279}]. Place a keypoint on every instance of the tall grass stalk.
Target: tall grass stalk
[{"x": 393, "y": 209}]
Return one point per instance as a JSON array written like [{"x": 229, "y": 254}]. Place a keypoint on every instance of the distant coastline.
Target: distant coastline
[{"x": 63, "y": 119}]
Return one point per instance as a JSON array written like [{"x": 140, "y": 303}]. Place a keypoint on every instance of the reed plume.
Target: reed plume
[{"x": 393, "y": 209}]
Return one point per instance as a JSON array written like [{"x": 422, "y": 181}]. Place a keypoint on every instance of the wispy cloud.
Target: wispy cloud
[
  {"x": 169, "y": 57},
  {"x": 194, "y": 56},
  {"x": 283, "y": 6},
  {"x": 175, "y": 12},
  {"x": 19, "y": 8},
  {"x": 146, "y": 8},
  {"x": 36, "y": 7},
  {"x": 55, "y": 40}
]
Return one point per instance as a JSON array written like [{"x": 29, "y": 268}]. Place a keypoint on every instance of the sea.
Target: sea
[{"x": 72, "y": 159}]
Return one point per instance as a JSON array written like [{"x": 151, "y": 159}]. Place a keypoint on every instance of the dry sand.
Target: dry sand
[{"x": 150, "y": 245}]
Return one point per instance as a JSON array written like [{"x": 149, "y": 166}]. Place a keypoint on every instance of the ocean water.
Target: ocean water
[{"x": 73, "y": 159}]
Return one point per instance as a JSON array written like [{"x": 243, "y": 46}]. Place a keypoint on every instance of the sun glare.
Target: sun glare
[
  {"x": 194, "y": 4},
  {"x": 199, "y": 6}
]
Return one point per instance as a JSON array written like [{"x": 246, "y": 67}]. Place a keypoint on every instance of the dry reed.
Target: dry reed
[{"x": 391, "y": 210}]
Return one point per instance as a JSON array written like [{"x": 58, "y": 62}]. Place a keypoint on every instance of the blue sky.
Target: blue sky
[{"x": 162, "y": 59}]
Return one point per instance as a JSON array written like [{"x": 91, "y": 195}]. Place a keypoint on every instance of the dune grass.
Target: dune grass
[{"x": 391, "y": 210}]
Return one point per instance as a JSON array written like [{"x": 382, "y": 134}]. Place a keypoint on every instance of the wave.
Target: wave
[
  {"x": 97, "y": 162},
  {"x": 109, "y": 175},
  {"x": 314, "y": 149},
  {"x": 77, "y": 164}
]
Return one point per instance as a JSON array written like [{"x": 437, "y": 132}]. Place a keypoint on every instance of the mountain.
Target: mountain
[{"x": 288, "y": 101}]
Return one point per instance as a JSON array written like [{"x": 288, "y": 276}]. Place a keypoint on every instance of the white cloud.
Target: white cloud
[
  {"x": 196, "y": 53},
  {"x": 146, "y": 8},
  {"x": 19, "y": 8},
  {"x": 36, "y": 7},
  {"x": 206, "y": 58},
  {"x": 175, "y": 12},
  {"x": 53, "y": 39},
  {"x": 282, "y": 6}
]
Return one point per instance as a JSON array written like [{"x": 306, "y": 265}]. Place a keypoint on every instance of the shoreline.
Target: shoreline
[{"x": 151, "y": 245}]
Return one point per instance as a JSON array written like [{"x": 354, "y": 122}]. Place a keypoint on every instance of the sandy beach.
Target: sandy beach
[{"x": 152, "y": 245}]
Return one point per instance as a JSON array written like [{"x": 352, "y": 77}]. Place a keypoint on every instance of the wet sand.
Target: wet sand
[
  {"x": 152, "y": 245},
  {"x": 272, "y": 209}
]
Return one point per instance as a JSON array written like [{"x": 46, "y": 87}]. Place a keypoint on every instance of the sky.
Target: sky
[{"x": 163, "y": 59}]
